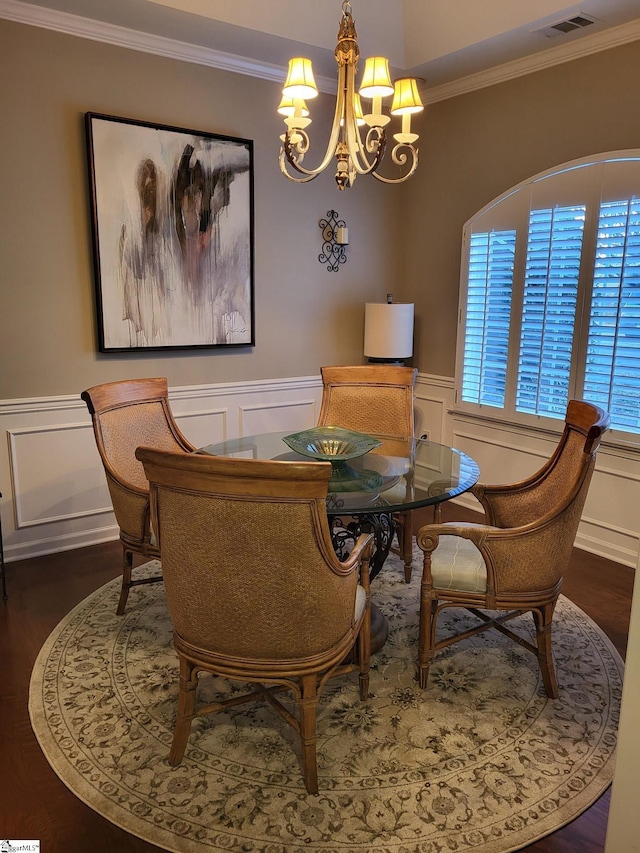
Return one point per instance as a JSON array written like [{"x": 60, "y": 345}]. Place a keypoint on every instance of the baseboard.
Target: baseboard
[{"x": 58, "y": 544}]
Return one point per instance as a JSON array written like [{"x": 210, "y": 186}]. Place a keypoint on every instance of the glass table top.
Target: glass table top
[{"x": 401, "y": 473}]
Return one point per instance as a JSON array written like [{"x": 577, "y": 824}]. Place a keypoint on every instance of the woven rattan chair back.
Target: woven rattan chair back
[
  {"x": 125, "y": 415},
  {"x": 369, "y": 398},
  {"x": 523, "y": 549},
  {"x": 253, "y": 585},
  {"x": 374, "y": 399}
]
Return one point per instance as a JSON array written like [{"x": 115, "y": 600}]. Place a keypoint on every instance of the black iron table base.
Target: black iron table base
[
  {"x": 346, "y": 529},
  {"x": 344, "y": 533}
]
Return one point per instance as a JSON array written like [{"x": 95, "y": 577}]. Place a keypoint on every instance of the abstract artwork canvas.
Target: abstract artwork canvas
[{"x": 172, "y": 213}]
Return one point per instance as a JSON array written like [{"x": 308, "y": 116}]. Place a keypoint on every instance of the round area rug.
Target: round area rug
[{"x": 479, "y": 761}]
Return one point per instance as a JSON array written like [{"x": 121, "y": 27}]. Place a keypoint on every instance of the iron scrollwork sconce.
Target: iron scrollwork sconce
[{"x": 335, "y": 235}]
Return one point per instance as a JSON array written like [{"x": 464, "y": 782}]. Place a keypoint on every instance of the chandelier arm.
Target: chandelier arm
[
  {"x": 357, "y": 147},
  {"x": 400, "y": 159},
  {"x": 288, "y": 151},
  {"x": 283, "y": 160},
  {"x": 375, "y": 142}
]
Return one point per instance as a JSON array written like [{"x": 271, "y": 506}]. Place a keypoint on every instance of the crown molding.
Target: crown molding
[
  {"x": 76, "y": 25},
  {"x": 585, "y": 46}
]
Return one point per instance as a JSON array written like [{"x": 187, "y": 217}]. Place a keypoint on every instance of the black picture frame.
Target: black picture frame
[{"x": 173, "y": 236}]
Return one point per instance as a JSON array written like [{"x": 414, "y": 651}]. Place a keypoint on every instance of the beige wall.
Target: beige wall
[
  {"x": 305, "y": 315},
  {"x": 478, "y": 145},
  {"x": 405, "y": 239}
]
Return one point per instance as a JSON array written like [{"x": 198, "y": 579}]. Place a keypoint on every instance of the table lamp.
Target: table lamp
[{"x": 388, "y": 331}]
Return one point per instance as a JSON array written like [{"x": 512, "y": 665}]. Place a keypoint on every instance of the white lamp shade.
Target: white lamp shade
[{"x": 388, "y": 330}]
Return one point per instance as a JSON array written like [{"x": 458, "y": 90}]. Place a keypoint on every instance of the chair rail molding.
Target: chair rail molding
[
  {"x": 55, "y": 496},
  {"x": 609, "y": 526}
]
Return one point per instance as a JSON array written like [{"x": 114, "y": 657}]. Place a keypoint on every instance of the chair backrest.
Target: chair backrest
[
  {"x": 369, "y": 398},
  {"x": 564, "y": 478},
  {"x": 127, "y": 414},
  {"x": 249, "y": 568}
]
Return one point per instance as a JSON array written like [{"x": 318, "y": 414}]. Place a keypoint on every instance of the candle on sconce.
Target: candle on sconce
[{"x": 342, "y": 236}]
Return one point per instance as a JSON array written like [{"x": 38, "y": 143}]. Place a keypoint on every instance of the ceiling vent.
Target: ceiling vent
[{"x": 560, "y": 28}]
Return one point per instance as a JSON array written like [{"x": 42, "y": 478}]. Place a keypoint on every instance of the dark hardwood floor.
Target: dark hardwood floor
[{"x": 34, "y": 804}]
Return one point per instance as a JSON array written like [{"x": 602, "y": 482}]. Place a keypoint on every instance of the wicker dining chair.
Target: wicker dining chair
[
  {"x": 126, "y": 414},
  {"x": 253, "y": 585},
  {"x": 374, "y": 399},
  {"x": 514, "y": 563}
]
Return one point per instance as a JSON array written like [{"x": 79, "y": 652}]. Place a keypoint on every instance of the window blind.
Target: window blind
[
  {"x": 550, "y": 297},
  {"x": 486, "y": 347},
  {"x": 552, "y": 267},
  {"x": 612, "y": 375}
]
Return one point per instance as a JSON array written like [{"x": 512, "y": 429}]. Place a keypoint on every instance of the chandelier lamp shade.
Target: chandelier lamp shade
[{"x": 357, "y": 140}]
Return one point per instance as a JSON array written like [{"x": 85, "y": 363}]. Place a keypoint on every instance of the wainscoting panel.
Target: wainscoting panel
[
  {"x": 54, "y": 492},
  {"x": 55, "y": 496},
  {"x": 430, "y": 414},
  {"x": 201, "y": 427},
  {"x": 47, "y": 487},
  {"x": 294, "y": 416},
  {"x": 610, "y": 523}
]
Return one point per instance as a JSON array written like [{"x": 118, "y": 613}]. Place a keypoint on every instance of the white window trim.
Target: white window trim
[{"x": 620, "y": 439}]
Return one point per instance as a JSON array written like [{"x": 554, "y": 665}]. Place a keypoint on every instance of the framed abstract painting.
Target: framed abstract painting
[{"x": 173, "y": 239}]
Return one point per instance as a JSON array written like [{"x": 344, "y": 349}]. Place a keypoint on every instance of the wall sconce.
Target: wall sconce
[
  {"x": 388, "y": 331},
  {"x": 335, "y": 235}
]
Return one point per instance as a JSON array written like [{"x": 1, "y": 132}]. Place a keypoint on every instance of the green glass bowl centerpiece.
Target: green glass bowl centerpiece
[
  {"x": 330, "y": 443},
  {"x": 337, "y": 445}
]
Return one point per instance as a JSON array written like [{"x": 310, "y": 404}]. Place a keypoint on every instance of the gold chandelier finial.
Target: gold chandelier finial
[{"x": 357, "y": 152}]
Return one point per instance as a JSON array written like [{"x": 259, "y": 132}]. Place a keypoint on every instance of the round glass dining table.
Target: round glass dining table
[{"x": 364, "y": 492}]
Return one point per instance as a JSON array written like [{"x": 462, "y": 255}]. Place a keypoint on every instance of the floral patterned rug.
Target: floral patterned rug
[{"x": 479, "y": 761}]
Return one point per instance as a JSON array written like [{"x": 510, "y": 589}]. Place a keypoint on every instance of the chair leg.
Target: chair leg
[
  {"x": 307, "y": 704},
  {"x": 542, "y": 618},
  {"x": 127, "y": 568},
  {"x": 426, "y": 639},
  {"x": 404, "y": 533},
  {"x": 364, "y": 654},
  {"x": 186, "y": 704}
]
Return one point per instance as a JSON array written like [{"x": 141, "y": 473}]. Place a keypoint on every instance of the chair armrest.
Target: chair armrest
[
  {"x": 363, "y": 541},
  {"x": 518, "y": 559},
  {"x": 131, "y": 508},
  {"x": 427, "y": 537},
  {"x": 359, "y": 557}
]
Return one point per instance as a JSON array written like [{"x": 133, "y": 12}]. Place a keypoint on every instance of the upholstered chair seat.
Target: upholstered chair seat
[{"x": 457, "y": 563}]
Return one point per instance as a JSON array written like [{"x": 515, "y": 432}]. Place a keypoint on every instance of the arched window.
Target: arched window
[{"x": 550, "y": 296}]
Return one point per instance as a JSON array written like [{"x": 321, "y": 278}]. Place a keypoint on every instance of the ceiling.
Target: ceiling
[{"x": 438, "y": 40}]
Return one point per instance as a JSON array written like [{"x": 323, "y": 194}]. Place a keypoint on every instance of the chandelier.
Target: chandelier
[{"x": 357, "y": 141}]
